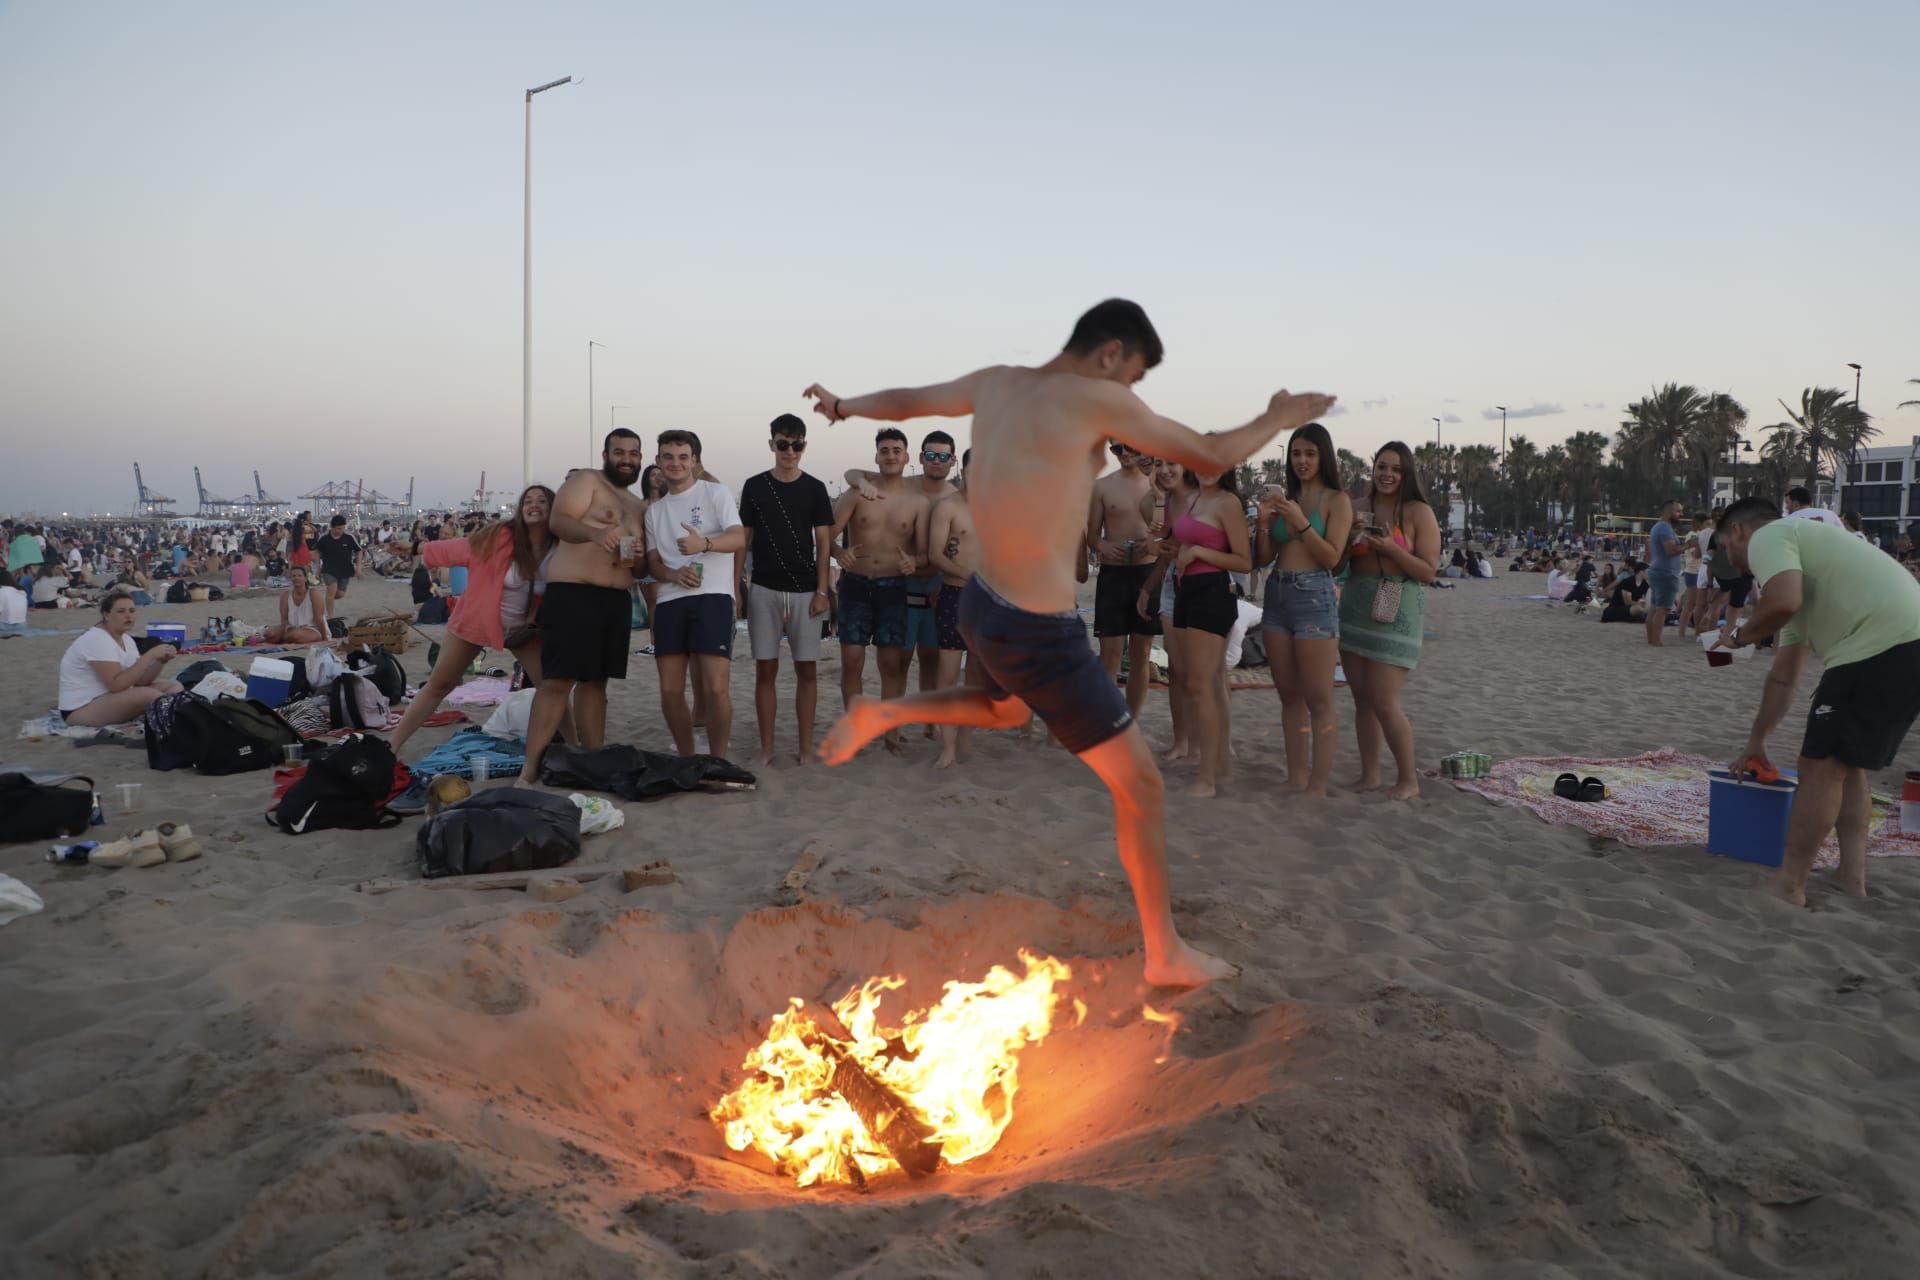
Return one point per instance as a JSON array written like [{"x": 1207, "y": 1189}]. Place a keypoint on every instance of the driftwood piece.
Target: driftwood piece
[
  {"x": 794, "y": 886},
  {"x": 660, "y": 872},
  {"x": 885, "y": 1113},
  {"x": 497, "y": 880}
]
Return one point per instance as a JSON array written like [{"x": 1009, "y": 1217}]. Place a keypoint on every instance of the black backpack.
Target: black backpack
[
  {"x": 177, "y": 591},
  {"x": 345, "y": 788},
  {"x": 380, "y": 666},
  {"x": 227, "y": 735},
  {"x": 32, "y": 810},
  {"x": 503, "y": 829}
]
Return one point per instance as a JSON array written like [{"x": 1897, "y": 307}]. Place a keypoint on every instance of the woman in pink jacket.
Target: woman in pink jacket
[{"x": 505, "y": 565}]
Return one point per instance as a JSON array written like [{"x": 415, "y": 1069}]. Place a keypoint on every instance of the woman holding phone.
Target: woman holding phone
[
  {"x": 1394, "y": 555},
  {"x": 1305, "y": 528}
]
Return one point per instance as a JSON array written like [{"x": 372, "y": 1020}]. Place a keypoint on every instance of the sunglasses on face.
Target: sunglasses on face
[
  {"x": 936, "y": 455},
  {"x": 790, "y": 446}
]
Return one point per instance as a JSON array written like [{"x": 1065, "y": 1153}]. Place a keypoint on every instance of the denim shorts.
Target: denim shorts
[
  {"x": 1666, "y": 589},
  {"x": 1301, "y": 604}
]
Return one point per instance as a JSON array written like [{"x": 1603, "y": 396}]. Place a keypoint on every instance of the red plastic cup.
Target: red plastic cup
[{"x": 1719, "y": 657}]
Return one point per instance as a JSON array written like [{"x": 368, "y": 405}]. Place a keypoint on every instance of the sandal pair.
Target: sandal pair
[{"x": 1570, "y": 786}]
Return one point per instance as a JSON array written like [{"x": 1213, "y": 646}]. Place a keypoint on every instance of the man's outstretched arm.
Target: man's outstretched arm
[
  {"x": 1131, "y": 422},
  {"x": 946, "y": 400}
]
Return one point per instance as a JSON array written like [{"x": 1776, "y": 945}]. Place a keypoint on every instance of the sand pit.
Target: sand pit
[{"x": 1465, "y": 1043}]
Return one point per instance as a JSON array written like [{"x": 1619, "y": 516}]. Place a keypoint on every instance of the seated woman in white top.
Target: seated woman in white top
[
  {"x": 303, "y": 613},
  {"x": 104, "y": 678},
  {"x": 13, "y": 606}
]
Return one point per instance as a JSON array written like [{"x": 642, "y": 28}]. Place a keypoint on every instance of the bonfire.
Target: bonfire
[{"x": 837, "y": 1096}]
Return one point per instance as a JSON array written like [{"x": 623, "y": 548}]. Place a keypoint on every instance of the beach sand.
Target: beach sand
[{"x": 1465, "y": 1043}]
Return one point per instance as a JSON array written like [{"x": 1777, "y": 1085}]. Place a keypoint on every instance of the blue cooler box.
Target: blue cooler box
[
  {"x": 269, "y": 680},
  {"x": 173, "y": 633},
  {"x": 1748, "y": 820}
]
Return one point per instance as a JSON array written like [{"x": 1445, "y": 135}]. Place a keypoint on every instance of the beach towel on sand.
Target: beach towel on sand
[{"x": 1658, "y": 798}]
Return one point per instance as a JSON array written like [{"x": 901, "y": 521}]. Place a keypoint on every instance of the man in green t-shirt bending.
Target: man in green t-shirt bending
[{"x": 1824, "y": 589}]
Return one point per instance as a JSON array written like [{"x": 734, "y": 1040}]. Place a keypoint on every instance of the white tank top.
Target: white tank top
[{"x": 300, "y": 613}]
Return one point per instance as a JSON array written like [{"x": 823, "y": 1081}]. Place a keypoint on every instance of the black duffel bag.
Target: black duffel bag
[
  {"x": 346, "y": 787},
  {"x": 501, "y": 829},
  {"x": 32, "y": 810}
]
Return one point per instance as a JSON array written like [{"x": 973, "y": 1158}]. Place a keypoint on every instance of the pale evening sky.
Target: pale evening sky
[{"x": 288, "y": 237}]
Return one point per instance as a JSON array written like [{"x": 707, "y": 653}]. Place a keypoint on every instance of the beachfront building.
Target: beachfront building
[{"x": 1882, "y": 487}]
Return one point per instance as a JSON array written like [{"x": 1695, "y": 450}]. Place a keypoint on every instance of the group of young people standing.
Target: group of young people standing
[{"x": 1167, "y": 541}]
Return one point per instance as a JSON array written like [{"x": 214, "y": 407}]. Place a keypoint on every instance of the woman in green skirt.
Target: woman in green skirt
[{"x": 1396, "y": 551}]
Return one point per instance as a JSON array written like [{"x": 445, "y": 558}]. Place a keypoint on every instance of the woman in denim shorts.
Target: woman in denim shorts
[{"x": 1304, "y": 529}]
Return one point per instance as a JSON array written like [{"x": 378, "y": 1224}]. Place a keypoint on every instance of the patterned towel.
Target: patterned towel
[
  {"x": 1656, "y": 799},
  {"x": 505, "y": 756},
  {"x": 483, "y": 691}
]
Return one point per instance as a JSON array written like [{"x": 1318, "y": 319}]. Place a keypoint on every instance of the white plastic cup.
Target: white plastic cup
[
  {"x": 626, "y": 549},
  {"x": 482, "y": 769},
  {"x": 290, "y": 754},
  {"x": 127, "y": 798}
]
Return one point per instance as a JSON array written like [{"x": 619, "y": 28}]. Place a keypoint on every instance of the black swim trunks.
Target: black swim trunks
[
  {"x": 1116, "y": 602},
  {"x": 1044, "y": 660},
  {"x": 873, "y": 610},
  {"x": 946, "y": 614},
  {"x": 1861, "y": 711},
  {"x": 585, "y": 631}
]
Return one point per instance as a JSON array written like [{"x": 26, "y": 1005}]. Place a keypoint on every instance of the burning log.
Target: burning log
[{"x": 887, "y": 1116}]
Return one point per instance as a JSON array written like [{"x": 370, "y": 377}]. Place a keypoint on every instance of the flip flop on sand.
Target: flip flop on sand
[
  {"x": 1592, "y": 790},
  {"x": 1567, "y": 786}
]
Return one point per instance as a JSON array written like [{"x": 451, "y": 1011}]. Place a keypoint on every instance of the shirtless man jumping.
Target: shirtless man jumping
[
  {"x": 586, "y": 615},
  {"x": 882, "y": 554},
  {"x": 1040, "y": 437}
]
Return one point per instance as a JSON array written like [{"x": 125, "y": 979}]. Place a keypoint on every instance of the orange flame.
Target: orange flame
[{"x": 956, "y": 1065}]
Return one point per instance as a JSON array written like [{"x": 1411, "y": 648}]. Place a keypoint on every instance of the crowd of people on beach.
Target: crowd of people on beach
[{"x": 1330, "y": 571}]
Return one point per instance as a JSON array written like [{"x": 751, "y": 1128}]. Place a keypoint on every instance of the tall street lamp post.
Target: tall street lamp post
[
  {"x": 1503, "y": 436},
  {"x": 591, "y": 344},
  {"x": 526, "y": 297}
]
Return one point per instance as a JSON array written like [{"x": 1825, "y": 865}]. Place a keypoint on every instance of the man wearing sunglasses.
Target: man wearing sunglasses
[
  {"x": 923, "y": 593},
  {"x": 1118, "y": 535},
  {"x": 789, "y": 521}
]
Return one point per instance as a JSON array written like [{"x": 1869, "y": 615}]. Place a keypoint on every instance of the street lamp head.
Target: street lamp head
[
  {"x": 551, "y": 84},
  {"x": 1851, "y": 365}
]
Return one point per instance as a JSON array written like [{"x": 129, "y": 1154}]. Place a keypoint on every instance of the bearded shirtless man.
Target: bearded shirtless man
[
  {"x": 1117, "y": 533},
  {"x": 1039, "y": 439},
  {"x": 586, "y": 615},
  {"x": 884, "y": 528}
]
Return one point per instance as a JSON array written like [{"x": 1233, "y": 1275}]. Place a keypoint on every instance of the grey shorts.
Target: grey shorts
[
  {"x": 328, "y": 579},
  {"x": 1301, "y": 604},
  {"x": 772, "y": 614}
]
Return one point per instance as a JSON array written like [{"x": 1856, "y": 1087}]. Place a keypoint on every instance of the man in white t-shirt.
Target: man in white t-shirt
[
  {"x": 693, "y": 531},
  {"x": 1800, "y": 507}
]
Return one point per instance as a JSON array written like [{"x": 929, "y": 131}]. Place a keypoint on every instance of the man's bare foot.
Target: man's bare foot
[
  {"x": 1179, "y": 751},
  {"x": 865, "y": 720},
  {"x": 1852, "y": 885},
  {"x": 1405, "y": 789},
  {"x": 896, "y": 742},
  {"x": 1201, "y": 788},
  {"x": 806, "y": 757},
  {"x": 1365, "y": 782},
  {"x": 763, "y": 757},
  {"x": 1188, "y": 966},
  {"x": 1787, "y": 892},
  {"x": 945, "y": 760}
]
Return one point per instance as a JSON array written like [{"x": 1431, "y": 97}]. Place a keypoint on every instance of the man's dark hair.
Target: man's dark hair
[
  {"x": 111, "y": 599},
  {"x": 936, "y": 436},
  {"x": 790, "y": 425},
  {"x": 618, "y": 433},
  {"x": 885, "y": 434},
  {"x": 676, "y": 436},
  {"x": 966, "y": 459},
  {"x": 1116, "y": 318},
  {"x": 338, "y": 522},
  {"x": 1749, "y": 514},
  {"x": 1800, "y": 495}
]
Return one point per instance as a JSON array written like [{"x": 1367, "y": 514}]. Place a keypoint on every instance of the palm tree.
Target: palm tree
[
  {"x": 1436, "y": 466},
  {"x": 1715, "y": 430},
  {"x": 1472, "y": 466},
  {"x": 1780, "y": 457},
  {"x": 1911, "y": 404},
  {"x": 1830, "y": 427},
  {"x": 1553, "y": 483},
  {"x": 1523, "y": 465},
  {"x": 1657, "y": 429},
  {"x": 1355, "y": 470},
  {"x": 1586, "y": 452}
]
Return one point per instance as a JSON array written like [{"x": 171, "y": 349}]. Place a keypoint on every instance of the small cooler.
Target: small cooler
[
  {"x": 1748, "y": 820},
  {"x": 269, "y": 680},
  {"x": 173, "y": 633}
]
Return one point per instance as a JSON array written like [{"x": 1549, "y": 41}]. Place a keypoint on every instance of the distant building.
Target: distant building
[{"x": 1883, "y": 488}]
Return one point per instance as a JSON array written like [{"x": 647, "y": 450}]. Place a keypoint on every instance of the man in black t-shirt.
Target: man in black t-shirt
[
  {"x": 789, "y": 523},
  {"x": 338, "y": 551}
]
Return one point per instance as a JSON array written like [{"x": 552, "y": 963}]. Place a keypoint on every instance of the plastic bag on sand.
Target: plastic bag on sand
[
  {"x": 597, "y": 814},
  {"x": 16, "y": 900},
  {"x": 323, "y": 666},
  {"x": 509, "y": 719},
  {"x": 221, "y": 684}
]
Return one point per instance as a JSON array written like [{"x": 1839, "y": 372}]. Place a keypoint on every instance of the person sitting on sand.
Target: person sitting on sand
[
  {"x": 104, "y": 678},
  {"x": 303, "y": 614},
  {"x": 506, "y": 566},
  {"x": 13, "y": 607},
  {"x": 1039, "y": 438},
  {"x": 1625, "y": 597},
  {"x": 1825, "y": 591}
]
